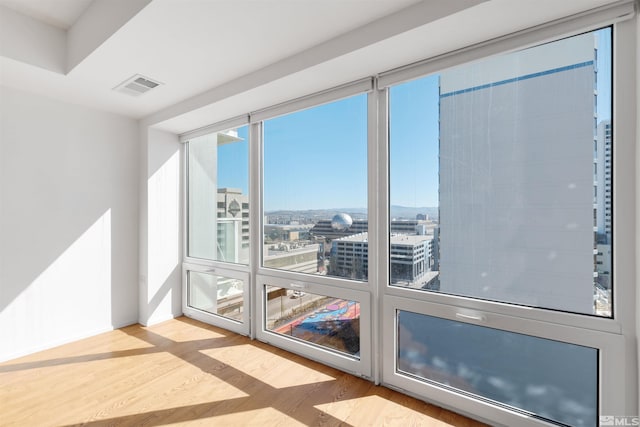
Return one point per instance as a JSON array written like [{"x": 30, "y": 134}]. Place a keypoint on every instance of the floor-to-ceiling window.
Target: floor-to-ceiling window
[
  {"x": 218, "y": 233},
  {"x": 312, "y": 288},
  {"x": 449, "y": 233},
  {"x": 500, "y": 231}
]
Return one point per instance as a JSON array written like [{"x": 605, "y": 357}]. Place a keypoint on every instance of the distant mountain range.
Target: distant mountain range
[
  {"x": 397, "y": 212},
  {"x": 410, "y": 213}
]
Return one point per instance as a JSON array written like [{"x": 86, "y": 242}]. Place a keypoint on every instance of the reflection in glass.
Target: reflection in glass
[
  {"x": 315, "y": 190},
  {"x": 550, "y": 379},
  {"x": 500, "y": 178},
  {"x": 218, "y": 199},
  {"x": 326, "y": 321},
  {"x": 216, "y": 294}
]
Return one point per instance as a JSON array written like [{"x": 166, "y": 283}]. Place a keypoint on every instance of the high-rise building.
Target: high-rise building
[
  {"x": 232, "y": 225},
  {"x": 516, "y": 177},
  {"x": 412, "y": 258},
  {"x": 602, "y": 205},
  {"x": 603, "y": 162}
]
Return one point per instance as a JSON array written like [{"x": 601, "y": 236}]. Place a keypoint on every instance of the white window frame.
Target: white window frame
[
  {"x": 358, "y": 366},
  {"x": 318, "y": 284},
  {"x": 202, "y": 265},
  {"x": 610, "y": 346},
  {"x": 240, "y": 327},
  {"x": 612, "y": 337}
]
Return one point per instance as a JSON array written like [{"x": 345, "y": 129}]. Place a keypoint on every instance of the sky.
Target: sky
[
  {"x": 317, "y": 158},
  {"x": 413, "y": 143}
]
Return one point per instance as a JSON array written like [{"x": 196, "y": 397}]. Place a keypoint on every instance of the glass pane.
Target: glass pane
[
  {"x": 216, "y": 294},
  {"x": 550, "y": 379},
  {"x": 326, "y": 321},
  {"x": 500, "y": 178},
  {"x": 219, "y": 197},
  {"x": 315, "y": 189}
]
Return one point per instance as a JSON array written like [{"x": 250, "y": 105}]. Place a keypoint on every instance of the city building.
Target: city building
[
  {"x": 603, "y": 174},
  {"x": 603, "y": 164},
  {"x": 303, "y": 258},
  {"x": 483, "y": 214},
  {"x": 344, "y": 243},
  {"x": 324, "y": 228},
  {"x": 412, "y": 257},
  {"x": 603, "y": 265},
  {"x": 350, "y": 256},
  {"x": 412, "y": 248},
  {"x": 286, "y": 232},
  {"x": 287, "y": 219},
  {"x": 233, "y": 224}
]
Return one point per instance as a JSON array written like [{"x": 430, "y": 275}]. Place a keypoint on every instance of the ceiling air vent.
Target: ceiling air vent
[{"x": 137, "y": 85}]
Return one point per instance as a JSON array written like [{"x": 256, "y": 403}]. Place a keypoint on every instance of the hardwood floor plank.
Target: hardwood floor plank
[{"x": 183, "y": 372}]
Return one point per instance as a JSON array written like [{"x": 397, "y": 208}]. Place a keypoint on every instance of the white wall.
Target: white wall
[
  {"x": 68, "y": 222},
  {"x": 160, "y": 282}
]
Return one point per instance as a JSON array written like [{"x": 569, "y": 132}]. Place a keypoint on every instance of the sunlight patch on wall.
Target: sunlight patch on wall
[{"x": 73, "y": 291}]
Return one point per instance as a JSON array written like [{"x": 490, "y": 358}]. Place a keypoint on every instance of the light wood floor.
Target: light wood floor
[{"x": 183, "y": 372}]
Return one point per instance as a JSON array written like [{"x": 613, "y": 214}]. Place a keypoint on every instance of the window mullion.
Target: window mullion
[
  {"x": 379, "y": 213},
  {"x": 255, "y": 227}
]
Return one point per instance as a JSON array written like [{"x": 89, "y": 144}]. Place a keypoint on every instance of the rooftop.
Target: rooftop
[{"x": 396, "y": 239}]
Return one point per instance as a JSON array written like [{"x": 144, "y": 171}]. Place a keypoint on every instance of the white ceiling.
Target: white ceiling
[
  {"x": 58, "y": 13},
  {"x": 220, "y": 58}
]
